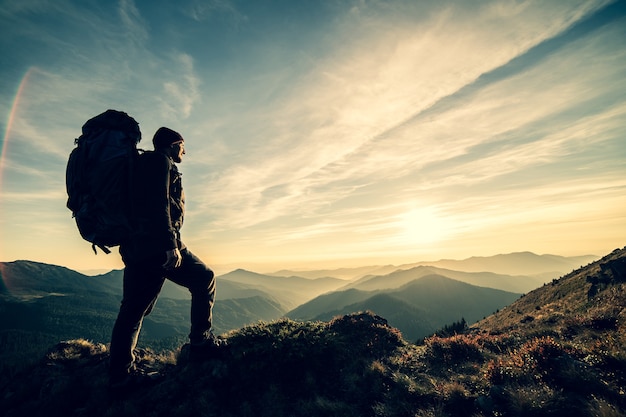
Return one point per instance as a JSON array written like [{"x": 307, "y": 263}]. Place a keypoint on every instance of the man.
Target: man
[{"x": 155, "y": 252}]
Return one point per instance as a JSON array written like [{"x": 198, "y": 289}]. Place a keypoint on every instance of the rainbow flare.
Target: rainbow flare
[{"x": 11, "y": 119}]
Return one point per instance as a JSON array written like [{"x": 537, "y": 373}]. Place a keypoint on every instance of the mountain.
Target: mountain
[
  {"x": 328, "y": 303},
  {"x": 556, "y": 351},
  {"x": 32, "y": 279},
  {"x": 517, "y": 284},
  {"x": 341, "y": 273},
  {"x": 417, "y": 309},
  {"x": 449, "y": 299},
  {"x": 529, "y": 269},
  {"x": 291, "y": 291},
  {"x": 411, "y": 321},
  {"x": 518, "y": 263}
]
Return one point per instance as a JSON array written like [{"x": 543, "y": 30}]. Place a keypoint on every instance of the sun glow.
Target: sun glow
[{"x": 422, "y": 226}]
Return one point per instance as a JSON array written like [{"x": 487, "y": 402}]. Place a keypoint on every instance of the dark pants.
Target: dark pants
[{"x": 142, "y": 284}]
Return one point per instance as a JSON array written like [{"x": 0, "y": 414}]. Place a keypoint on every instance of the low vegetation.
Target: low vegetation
[{"x": 557, "y": 351}]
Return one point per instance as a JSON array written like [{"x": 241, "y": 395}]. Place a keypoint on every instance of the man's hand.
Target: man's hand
[{"x": 174, "y": 259}]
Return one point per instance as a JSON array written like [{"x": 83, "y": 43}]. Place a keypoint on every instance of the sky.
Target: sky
[{"x": 328, "y": 133}]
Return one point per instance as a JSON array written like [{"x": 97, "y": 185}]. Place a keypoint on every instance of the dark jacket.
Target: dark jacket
[{"x": 158, "y": 204}]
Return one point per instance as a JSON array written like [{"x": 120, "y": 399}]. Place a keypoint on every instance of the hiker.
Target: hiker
[{"x": 155, "y": 252}]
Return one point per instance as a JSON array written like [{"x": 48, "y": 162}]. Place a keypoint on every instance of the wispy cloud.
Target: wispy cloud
[
  {"x": 352, "y": 121},
  {"x": 136, "y": 27},
  {"x": 181, "y": 90},
  {"x": 202, "y": 10}
]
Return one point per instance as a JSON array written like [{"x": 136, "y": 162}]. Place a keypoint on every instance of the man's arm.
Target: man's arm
[{"x": 155, "y": 194}]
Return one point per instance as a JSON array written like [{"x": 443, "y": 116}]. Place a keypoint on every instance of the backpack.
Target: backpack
[{"x": 98, "y": 178}]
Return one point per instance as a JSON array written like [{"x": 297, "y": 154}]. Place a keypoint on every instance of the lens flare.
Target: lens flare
[{"x": 12, "y": 115}]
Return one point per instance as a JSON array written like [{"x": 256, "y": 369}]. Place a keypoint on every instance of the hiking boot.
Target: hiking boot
[
  {"x": 123, "y": 383},
  {"x": 210, "y": 347}
]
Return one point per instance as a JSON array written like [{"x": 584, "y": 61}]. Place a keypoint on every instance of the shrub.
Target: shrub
[
  {"x": 534, "y": 360},
  {"x": 455, "y": 350}
]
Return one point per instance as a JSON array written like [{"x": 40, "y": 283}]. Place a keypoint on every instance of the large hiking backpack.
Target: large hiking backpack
[{"x": 98, "y": 178}]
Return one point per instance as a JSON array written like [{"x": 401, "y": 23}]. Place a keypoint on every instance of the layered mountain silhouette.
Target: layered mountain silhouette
[
  {"x": 516, "y": 264},
  {"x": 418, "y": 308},
  {"x": 517, "y": 283},
  {"x": 556, "y": 351},
  {"x": 51, "y": 302},
  {"x": 55, "y": 302},
  {"x": 291, "y": 291}
]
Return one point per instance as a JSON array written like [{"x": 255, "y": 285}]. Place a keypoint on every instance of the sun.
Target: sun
[{"x": 422, "y": 226}]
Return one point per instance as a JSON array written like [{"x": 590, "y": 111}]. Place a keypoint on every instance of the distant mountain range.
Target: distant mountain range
[
  {"x": 291, "y": 291},
  {"x": 517, "y": 263},
  {"x": 398, "y": 278},
  {"x": 418, "y": 298},
  {"x": 418, "y": 308}
]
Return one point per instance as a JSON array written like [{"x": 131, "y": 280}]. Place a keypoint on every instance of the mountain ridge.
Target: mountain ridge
[
  {"x": 519, "y": 283},
  {"x": 278, "y": 295},
  {"x": 516, "y": 263},
  {"x": 551, "y": 264}
]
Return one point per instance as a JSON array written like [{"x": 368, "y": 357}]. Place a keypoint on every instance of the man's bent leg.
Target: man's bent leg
[{"x": 200, "y": 280}]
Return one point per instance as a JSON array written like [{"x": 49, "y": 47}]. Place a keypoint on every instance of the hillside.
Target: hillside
[
  {"x": 558, "y": 351},
  {"x": 594, "y": 293}
]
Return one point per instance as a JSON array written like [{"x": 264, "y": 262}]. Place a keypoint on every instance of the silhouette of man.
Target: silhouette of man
[{"x": 155, "y": 252}]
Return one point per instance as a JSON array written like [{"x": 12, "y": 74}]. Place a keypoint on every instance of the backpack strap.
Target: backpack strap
[{"x": 102, "y": 248}]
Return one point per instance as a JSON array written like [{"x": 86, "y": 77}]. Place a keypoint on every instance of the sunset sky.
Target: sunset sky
[{"x": 329, "y": 133}]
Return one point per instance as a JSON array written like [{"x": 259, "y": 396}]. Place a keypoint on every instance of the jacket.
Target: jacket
[{"x": 158, "y": 207}]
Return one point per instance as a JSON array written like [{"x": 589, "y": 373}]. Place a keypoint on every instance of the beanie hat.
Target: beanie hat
[{"x": 165, "y": 137}]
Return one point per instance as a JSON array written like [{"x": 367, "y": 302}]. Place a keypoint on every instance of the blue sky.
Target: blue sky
[{"x": 329, "y": 133}]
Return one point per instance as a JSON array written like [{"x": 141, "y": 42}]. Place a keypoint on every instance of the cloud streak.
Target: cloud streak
[{"x": 358, "y": 141}]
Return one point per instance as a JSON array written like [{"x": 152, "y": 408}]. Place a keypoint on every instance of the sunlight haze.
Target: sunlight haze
[{"x": 329, "y": 133}]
